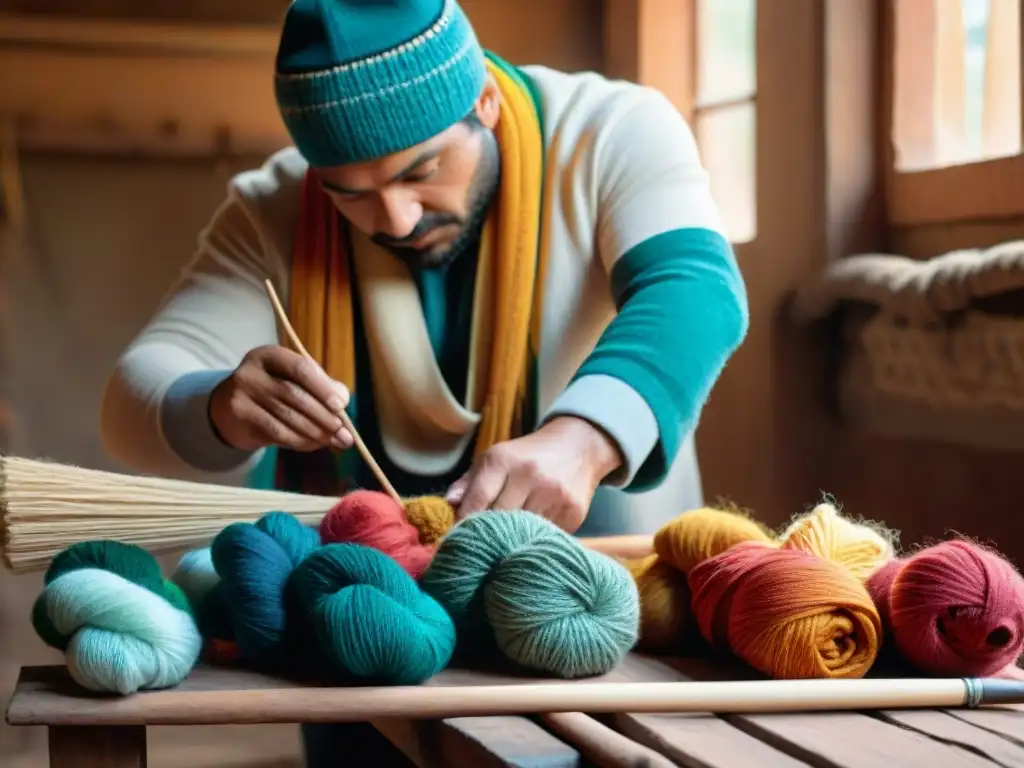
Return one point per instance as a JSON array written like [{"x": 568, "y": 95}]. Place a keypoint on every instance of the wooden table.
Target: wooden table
[{"x": 101, "y": 732}]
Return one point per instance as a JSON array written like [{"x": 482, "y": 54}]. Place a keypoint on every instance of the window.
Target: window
[
  {"x": 955, "y": 110},
  {"x": 701, "y": 54},
  {"x": 724, "y": 112}
]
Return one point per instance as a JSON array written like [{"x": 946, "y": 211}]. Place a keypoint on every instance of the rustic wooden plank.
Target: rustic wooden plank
[
  {"x": 854, "y": 740},
  {"x": 702, "y": 741},
  {"x": 87, "y": 747},
  {"x": 1005, "y": 722},
  {"x": 952, "y": 730},
  {"x": 693, "y": 740},
  {"x": 822, "y": 739},
  {"x": 487, "y": 742},
  {"x": 603, "y": 746}
]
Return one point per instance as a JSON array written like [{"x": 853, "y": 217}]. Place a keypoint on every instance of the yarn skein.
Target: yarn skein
[
  {"x": 370, "y": 617},
  {"x": 121, "y": 626},
  {"x": 667, "y": 624},
  {"x": 432, "y": 516},
  {"x": 376, "y": 520},
  {"x": 786, "y": 613},
  {"x": 515, "y": 582},
  {"x": 824, "y": 532},
  {"x": 699, "y": 534},
  {"x": 954, "y": 609},
  {"x": 200, "y": 582},
  {"x": 254, "y": 562}
]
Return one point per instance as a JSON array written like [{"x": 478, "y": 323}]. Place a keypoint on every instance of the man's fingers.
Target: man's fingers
[
  {"x": 311, "y": 377},
  {"x": 457, "y": 490},
  {"x": 513, "y": 495},
  {"x": 484, "y": 486},
  {"x": 272, "y": 430},
  {"x": 285, "y": 410}
]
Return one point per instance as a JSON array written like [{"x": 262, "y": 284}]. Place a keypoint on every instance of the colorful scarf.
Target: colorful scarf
[{"x": 512, "y": 258}]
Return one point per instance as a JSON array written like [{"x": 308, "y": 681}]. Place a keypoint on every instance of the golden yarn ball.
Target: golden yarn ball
[{"x": 432, "y": 516}]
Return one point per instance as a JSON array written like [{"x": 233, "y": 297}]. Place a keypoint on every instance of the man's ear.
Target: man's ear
[{"x": 488, "y": 105}]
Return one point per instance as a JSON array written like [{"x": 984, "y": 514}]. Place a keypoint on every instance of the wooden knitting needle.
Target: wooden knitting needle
[
  {"x": 360, "y": 445},
  {"x": 350, "y": 704}
]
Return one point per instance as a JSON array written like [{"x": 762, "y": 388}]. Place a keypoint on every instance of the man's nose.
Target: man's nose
[{"x": 400, "y": 212}]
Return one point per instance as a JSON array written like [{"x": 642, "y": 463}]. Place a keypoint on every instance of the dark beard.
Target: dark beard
[{"x": 481, "y": 192}]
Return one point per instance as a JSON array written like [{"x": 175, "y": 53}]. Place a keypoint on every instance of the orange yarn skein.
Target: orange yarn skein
[
  {"x": 666, "y": 621},
  {"x": 696, "y": 535},
  {"x": 785, "y": 612},
  {"x": 666, "y": 617}
]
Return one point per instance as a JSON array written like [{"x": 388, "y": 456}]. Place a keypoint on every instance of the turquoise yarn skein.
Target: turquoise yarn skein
[
  {"x": 253, "y": 562},
  {"x": 515, "y": 580},
  {"x": 371, "y": 620},
  {"x": 121, "y": 626}
]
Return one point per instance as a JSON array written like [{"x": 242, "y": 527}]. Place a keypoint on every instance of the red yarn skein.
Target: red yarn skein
[
  {"x": 376, "y": 520},
  {"x": 953, "y": 609}
]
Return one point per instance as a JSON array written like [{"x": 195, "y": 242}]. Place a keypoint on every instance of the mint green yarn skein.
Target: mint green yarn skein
[
  {"x": 371, "y": 620},
  {"x": 121, "y": 626},
  {"x": 516, "y": 581}
]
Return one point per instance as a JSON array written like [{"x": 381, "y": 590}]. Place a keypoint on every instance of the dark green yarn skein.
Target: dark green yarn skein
[{"x": 371, "y": 620}]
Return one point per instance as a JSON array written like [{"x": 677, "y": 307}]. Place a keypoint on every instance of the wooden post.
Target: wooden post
[{"x": 79, "y": 746}]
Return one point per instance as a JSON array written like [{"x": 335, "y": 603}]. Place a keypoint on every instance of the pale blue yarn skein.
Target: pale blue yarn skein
[
  {"x": 123, "y": 637},
  {"x": 196, "y": 575}
]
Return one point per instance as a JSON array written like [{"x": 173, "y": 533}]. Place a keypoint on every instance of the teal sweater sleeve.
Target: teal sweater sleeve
[{"x": 682, "y": 312}]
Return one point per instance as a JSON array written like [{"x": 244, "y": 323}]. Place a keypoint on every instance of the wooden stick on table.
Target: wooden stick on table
[{"x": 360, "y": 445}]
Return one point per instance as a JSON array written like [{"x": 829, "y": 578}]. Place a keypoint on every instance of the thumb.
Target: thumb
[{"x": 457, "y": 490}]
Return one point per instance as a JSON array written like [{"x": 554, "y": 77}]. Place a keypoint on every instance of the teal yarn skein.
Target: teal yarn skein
[
  {"x": 515, "y": 581},
  {"x": 121, "y": 626},
  {"x": 370, "y": 617},
  {"x": 254, "y": 562}
]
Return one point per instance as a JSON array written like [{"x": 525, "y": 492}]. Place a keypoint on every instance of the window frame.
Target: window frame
[
  {"x": 655, "y": 43},
  {"x": 994, "y": 187}
]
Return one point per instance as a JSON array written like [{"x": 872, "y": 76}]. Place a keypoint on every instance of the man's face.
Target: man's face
[{"x": 423, "y": 204}]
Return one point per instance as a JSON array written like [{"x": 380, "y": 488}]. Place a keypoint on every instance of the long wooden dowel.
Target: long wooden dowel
[
  {"x": 345, "y": 420},
  {"x": 334, "y": 705}
]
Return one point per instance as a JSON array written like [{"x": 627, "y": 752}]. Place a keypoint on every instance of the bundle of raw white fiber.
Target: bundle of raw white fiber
[{"x": 46, "y": 507}]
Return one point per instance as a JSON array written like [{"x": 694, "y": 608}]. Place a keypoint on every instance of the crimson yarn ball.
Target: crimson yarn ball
[
  {"x": 375, "y": 520},
  {"x": 953, "y": 609}
]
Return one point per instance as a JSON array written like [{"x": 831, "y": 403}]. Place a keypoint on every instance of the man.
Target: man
[{"x": 516, "y": 279}]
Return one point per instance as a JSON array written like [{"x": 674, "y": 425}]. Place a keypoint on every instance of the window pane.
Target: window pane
[
  {"x": 726, "y": 67},
  {"x": 975, "y": 16},
  {"x": 957, "y": 82},
  {"x": 726, "y": 137}
]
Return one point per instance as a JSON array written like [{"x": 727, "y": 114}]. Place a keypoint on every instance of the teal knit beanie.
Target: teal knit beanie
[{"x": 360, "y": 79}]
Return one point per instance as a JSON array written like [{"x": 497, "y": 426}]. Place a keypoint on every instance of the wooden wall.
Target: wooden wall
[{"x": 766, "y": 439}]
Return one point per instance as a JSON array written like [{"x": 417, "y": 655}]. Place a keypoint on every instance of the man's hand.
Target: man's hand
[
  {"x": 552, "y": 472},
  {"x": 278, "y": 397}
]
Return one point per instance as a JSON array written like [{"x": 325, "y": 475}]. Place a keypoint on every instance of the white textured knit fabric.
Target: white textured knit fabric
[{"x": 622, "y": 167}]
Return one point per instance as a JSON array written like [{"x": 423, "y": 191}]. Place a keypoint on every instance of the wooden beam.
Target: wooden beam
[
  {"x": 652, "y": 42},
  {"x": 139, "y": 87}
]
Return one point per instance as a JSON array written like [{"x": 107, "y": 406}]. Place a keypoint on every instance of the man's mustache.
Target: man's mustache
[{"x": 423, "y": 226}]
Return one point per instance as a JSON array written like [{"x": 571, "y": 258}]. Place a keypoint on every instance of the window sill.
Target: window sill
[{"x": 993, "y": 189}]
